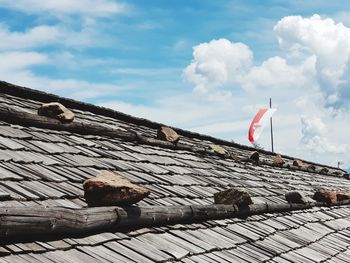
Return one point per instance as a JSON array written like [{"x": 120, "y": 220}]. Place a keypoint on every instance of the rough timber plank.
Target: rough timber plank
[
  {"x": 161, "y": 243},
  {"x": 145, "y": 249},
  {"x": 101, "y": 252},
  {"x": 130, "y": 253}
]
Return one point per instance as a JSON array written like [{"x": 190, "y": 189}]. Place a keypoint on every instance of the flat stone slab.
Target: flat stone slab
[
  {"x": 56, "y": 110},
  {"x": 233, "y": 196},
  {"x": 323, "y": 195},
  {"x": 254, "y": 157},
  {"x": 218, "y": 149},
  {"x": 298, "y": 163},
  {"x": 109, "y": 188},
  {"x": 167, "y": 134},
  {"x": 295, "y": 197},
  {"x": 278, "y": 160}
]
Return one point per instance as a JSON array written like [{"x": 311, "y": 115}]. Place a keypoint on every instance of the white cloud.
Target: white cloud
[
  {"x": 71, "y": 88},
  {"x": 312, "y": 127},
  {"x": 45, "y": 35},
  {"x": 34, "y": 37},
  {"x": 221, "y": 69},
  {"x": 12, "y": 61},
  {"x": 148, "y": 25},
  {"x": 316, "y": 56},
  {"x": 314, "y": 137},
  {"x": 223, "y": 127},
  {"x": 276, "y": 73},
  {"x": 16, "y": 67},
  {"x": 94, "y": 8},
  {"x": 329, "y": 42},
  {"x": 217, "y": 64},
  {"x": 181, "y": 45},
  {"x": 173, "y": 111},
  {"x": 147, "y": 72}
]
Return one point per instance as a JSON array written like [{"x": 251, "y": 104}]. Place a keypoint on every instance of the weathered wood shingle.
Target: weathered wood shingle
[{"x": 46, "y": 167}]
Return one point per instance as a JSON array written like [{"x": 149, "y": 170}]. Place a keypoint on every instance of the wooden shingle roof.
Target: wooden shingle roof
[{"x": 43, "y": 166}]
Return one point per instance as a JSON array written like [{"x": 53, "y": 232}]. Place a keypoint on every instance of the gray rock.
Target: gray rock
[
  {"x": 109, "y": 188},
  {"x": 311, "y": 167},
  {"x": 167, "y": 134},
  {"x": 295, "y": 197},
  {"x": 328, "y": 196},
  {"x": 254, "y": 157},
  {"x": 298, "y": 163},
  {"x": 324, "y": 170},
  {"x": 218, "y": 150},
  {"x": 341, "y": 196},
  {"x": 337, "y": 173},
  {"x": 56, "y": 110},
  {"x": 278, "y": 160},
  {"x": 233, "y": 196}
]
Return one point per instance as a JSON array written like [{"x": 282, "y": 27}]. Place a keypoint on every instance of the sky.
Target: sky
[{"x": 201, "y": 65}]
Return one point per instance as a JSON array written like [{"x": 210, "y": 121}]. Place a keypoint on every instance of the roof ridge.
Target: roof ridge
[{"x": 28, "y": 93}]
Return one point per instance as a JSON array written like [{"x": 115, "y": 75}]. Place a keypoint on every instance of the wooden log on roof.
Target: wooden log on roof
[
  {"x": 153, "y": 215},
  {"x": 207, "y": 212},
  {"x": 22, "y": 221},
  {"x": 23, "y": 118}
]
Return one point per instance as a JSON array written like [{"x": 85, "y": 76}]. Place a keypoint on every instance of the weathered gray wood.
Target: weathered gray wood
[
  {"x": 153, "y": 215},
  {"x": 218, "y": 211},
  {"x": 21, "y": 221},
  {"x": 22, "y": 118},
  {"x": 14, "y": 116},
  {"x": 40, "y": 220}
]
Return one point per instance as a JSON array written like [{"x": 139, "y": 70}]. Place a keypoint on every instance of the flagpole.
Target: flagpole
[{"x": 271, "y": 128}]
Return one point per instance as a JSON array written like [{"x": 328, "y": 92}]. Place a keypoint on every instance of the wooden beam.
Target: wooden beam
[
  {"x": 26, "y": 119},
  {"x": 38, "y": 220}
]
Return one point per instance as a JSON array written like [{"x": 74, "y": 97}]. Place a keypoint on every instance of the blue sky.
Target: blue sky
[{"x": 201, "y": 65}]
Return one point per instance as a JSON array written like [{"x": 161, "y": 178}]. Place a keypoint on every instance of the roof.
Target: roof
[{"x": 44, "y": 165}]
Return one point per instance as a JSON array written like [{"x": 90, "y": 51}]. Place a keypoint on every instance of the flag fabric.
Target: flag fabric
[{"x": 258, "y": 124}]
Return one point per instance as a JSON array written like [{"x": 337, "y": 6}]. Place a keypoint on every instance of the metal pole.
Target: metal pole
[{"x": 271, "y": 128}]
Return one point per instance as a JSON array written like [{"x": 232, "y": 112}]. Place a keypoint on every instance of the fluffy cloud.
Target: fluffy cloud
[
  {"x": 329, "y": 42},
  {"x": 317, "y": 53},
  {"x": 13, "y": 61},
  {"x": 94, "y": 8},
  {"x": 217, "y": 64},
  {"x": 69, "y": 87},
  {"x": 314, "y": 137},
  {"x": 17, "y": 67},
  {"x": 22, "y": 52},
  {"x": 276, "y": 73},
  {"x": 34, "y": 37},
  {"x": 220, "y": 68},
  {"x": 45, "y": 35}
]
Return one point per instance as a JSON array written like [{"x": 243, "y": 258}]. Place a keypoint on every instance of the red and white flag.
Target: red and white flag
[{"x": 258, "y": 124}]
